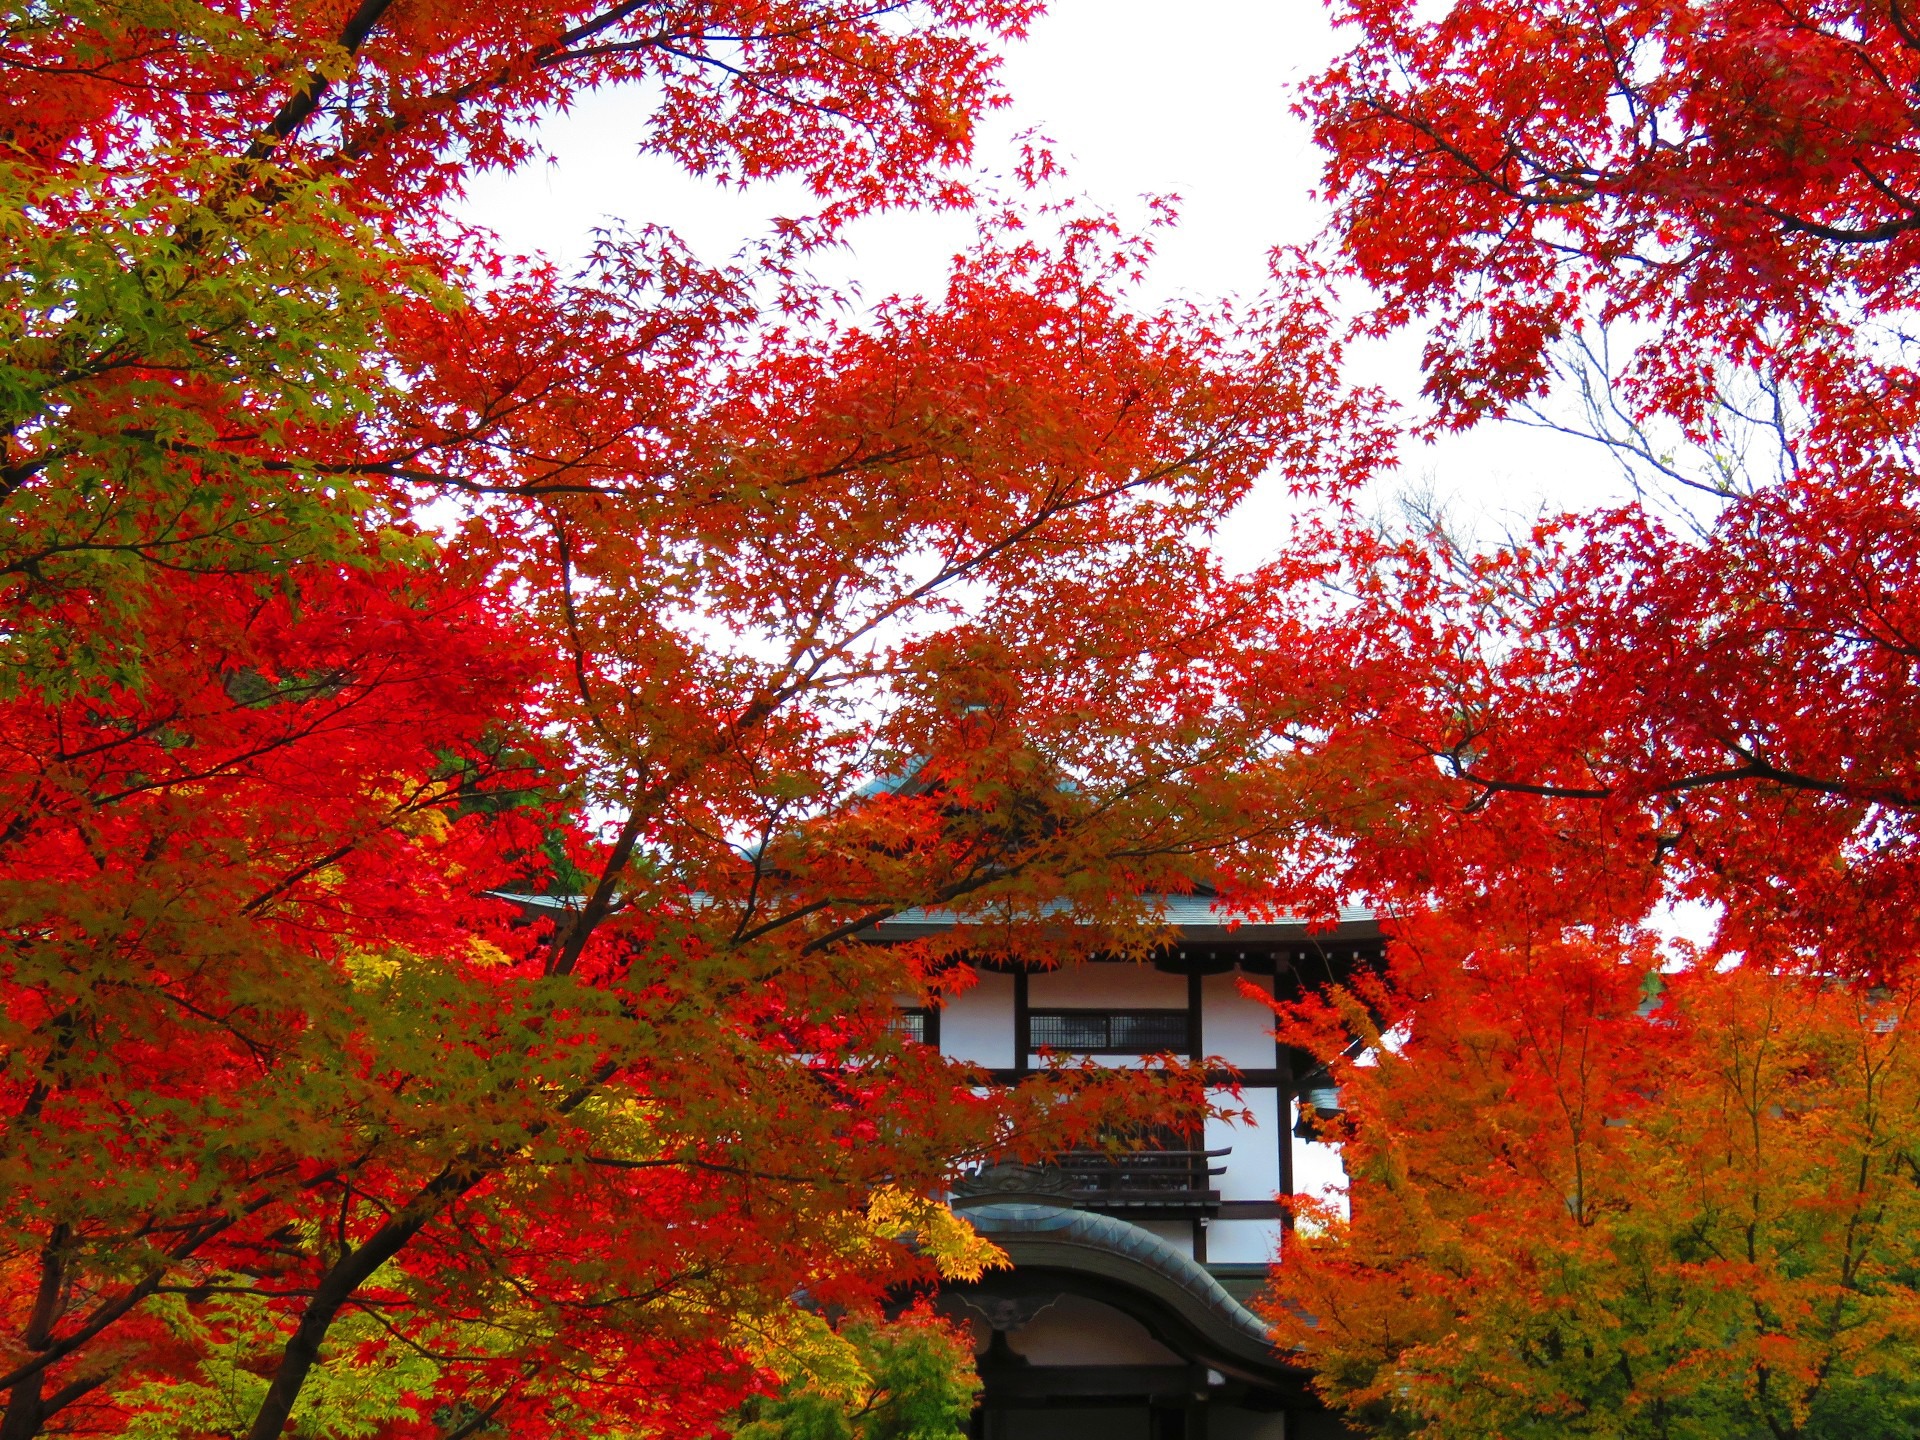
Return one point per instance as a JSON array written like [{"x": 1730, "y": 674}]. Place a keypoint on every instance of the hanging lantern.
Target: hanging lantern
[{"x": 1319, "y": 1104}]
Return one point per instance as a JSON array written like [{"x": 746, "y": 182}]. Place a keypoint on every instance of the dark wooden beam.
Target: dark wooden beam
[
  {"x": 1283, "y": 1094},
  {"x": 1022, "y": 1024},
  {"x": 1249, "y": 1210},
  {"x": 1084, "y": 1382},
  {"x": 1248, "y": 1079}
]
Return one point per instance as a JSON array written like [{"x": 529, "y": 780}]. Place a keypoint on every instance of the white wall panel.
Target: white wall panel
[
  {"x": 1238, "y": 1030},
  {"x": 1242, "y": 1242},
  {"x": 1120, "y": 985},
  {"x": 1074, "y": 1330},
  {"x": 1253, "y": 1169},
  {"x": 977, "y": 1024}
]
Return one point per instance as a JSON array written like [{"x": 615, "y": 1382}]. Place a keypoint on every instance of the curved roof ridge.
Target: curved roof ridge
[{"x": 1110, "y": 1235}]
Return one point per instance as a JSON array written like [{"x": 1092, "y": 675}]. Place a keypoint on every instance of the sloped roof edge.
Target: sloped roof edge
[
  {"x": 1197, "y": 917},
  {"x": 1111, "y": 1249}
]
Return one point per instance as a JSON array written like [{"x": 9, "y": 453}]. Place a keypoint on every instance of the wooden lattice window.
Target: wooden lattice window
[{"x": 1108, "y": 1032}]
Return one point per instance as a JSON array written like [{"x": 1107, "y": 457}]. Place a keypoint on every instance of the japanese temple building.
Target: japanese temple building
[{"x": 1123, "y": 1317}]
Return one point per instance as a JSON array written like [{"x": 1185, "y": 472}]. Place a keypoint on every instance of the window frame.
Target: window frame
[
  {"x": 929, "y": 1024},
  {"x": 1182, "y": 1015}
]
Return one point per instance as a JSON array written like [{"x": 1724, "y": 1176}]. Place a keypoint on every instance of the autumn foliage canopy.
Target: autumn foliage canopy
[
  {"x": 463, "y": 716},
  {"x": 448, "y": 703}
]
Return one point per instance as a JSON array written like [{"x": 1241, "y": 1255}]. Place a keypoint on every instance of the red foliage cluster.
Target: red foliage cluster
[{"x": 1725, "y": 189}]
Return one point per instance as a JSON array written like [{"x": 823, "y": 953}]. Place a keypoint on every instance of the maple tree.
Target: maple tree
[
  {"x": 1735, "y": 178},
  {"x": 306, "y": 1126},
  {"x": 909, "y": 1377},
  {"x": 1570, "y": 1215},
  {"x": 1590, "y": 1198},
  {"x": 1704, "y": 202}
]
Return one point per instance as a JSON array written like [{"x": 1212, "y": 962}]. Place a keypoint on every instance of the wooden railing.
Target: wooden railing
[
  {"x": 1146, "y": 1183},
  {"x": 1142, "y": 1177}
]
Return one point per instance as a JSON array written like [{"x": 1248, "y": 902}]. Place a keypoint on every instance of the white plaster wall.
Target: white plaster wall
[
  {"x": 1242, "y": 1242},
  {"x": 1238, "y": 1030},
  {"x": 977, "y": 1024},
  {"x": 1123, "y": 985},
  {"x": 1077, "y": 1331},
  {"x": 1253, "y": 1169}
]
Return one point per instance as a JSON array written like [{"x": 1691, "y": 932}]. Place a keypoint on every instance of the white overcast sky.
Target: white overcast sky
[{"x": 1140, "y": 97}]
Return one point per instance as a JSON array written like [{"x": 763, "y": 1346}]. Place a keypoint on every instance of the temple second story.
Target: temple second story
[{"x": 1124, "y": 1314}]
